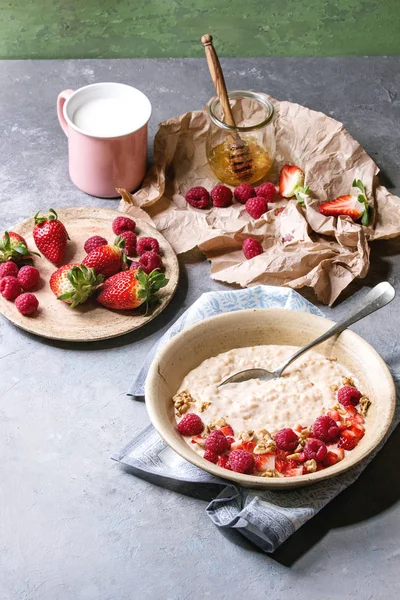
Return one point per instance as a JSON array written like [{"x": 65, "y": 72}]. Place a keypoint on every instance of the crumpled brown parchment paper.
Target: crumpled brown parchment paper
[{"x": 301, "y": 247}]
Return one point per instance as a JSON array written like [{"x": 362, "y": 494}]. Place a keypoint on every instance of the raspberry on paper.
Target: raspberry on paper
[
  {"x": 244, "y": 192},
  {"x": 198, "y": 197},
  {"x": 221, "y": 196},
  {"x": 267, "y": 190},
  {"x": 256, "y": 206},
  {"x": 251, "y": 248}
]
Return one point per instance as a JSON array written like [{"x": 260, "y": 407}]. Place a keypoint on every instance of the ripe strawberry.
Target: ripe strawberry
[
  {"x": 331, "y": 458},
  {"x": 281, "y": 465},
  {"x": 348, "y": 440},
  {"x": 50, "y": 237},
  {"x": 130, "y": 289},
  {"x": 264, "y": 462},
  {"x": 294, "y": 472},
  {"x": 248, "y": 446},
  {"x": 106, "y": 260},
  {"x": 291, "y": 179},
  {"x": 223, "y": 461},
  {"x": 14, "y": 247},
  {"x": 227, "y": 430},
  {"x": 352, "y": 205},
  {"x": 74, "y": 283}
]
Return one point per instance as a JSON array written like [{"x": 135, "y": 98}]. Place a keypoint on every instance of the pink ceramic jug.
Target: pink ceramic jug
[{"x": 106, "y": 126}]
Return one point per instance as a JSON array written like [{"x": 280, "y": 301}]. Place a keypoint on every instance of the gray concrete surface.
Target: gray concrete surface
[{"x": 73, "y": 525}]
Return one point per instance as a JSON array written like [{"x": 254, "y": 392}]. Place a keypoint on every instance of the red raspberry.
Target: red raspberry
[
  {"x": 147, "y": 244},
  {"x": 198, "y": 197},
  {"x": 325, "y": 429},
  {"x": 130, "y": 242},
  {"x": 286, "y": 439},
  {"x": 244, "y": 192},
  {"x": 256, "y": 206},
  {"x": 251, "y": 248},
  {"x": 348, "y": 395},
  {"x": 28, "y": 277},
  {"x": 121, "y": 224},
  {"x": 8, "y": 268},
  {"x": 241, "y": 461},
  {"x": 217, "y": 442},
  {"x": 135, "y": 265},
  {"x": 315, "y": 449},
  {"x": 150, "y": 261},
  {"x": 221, "y": 196},
  {"x": 267, "y": 190},
  {"x": 208, "y": 455},
  {"x": 190, "y": 424},
  {"x": 9, "y": 287},
  {"x": 94, "y": 242},
  {"x": 27, "y": 304}
]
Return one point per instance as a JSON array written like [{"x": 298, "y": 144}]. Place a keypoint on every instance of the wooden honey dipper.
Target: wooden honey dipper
[{"x": 239, "y": 152}]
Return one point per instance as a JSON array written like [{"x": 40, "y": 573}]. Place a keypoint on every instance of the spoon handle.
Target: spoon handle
[
  {"x": 379, "y": 296},
  {"x": 218, "y": 78}
]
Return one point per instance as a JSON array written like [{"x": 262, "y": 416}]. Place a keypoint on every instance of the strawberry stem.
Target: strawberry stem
[{"x": 150, "y": 286}]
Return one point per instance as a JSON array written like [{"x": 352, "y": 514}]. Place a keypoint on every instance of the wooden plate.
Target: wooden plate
[{"x": 90, "y": 321}]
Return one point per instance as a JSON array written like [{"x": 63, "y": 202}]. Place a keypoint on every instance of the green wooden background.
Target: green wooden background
[{"x": 172, "y": 28}]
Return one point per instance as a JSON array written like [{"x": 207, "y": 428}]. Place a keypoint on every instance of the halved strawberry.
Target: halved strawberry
[
  {"x": 340, "y": 453},
  {"x": 227, "y": 430},
  {"x": 351, "y": 410},
  {"x": 358, "y": 431},
  {"x": 223, "y": 461},
  {"x": 291, "y": 179},
  {"x": 354, "y": 206},
  {"x": 248, "y": 446},
  {"x": 198, "y": 440},
  {"x": 348, "y": 440},
  {"x": 295, "y": 472},
  {"x": 333, "y": 414},
  {"x": 331, "y": 458},
  {"x": 281, "y": 465},
  {"x": 264, "y": 462}
]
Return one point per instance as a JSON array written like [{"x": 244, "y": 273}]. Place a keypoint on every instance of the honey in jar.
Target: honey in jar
[{"x": 253, "y": 114}]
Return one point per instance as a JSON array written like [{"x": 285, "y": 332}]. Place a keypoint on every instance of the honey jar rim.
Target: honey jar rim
[{"x": 235, "y": 94}]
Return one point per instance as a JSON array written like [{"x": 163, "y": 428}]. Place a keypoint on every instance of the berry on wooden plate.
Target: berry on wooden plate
[
  {"x": 93, "y": 242},
  {"x": 14, "y": 247},
  {"x": 8, "y": 268},
  {"x": 121, "y": 224},
  {"x": 27, "y": 304},
  {"x": 74, "y": 283},
  {"x": 10, "y": 287},
  {"x": 50, "y": 237},
  {"x": 106, "y": 260},
  {"x": 28, "y": 277},
  {"x": 130, "y": 242},
  {"x": 147, "y": 244},
  {"x": 149, "y": 261},
  {"x": 130, "y": 289}
]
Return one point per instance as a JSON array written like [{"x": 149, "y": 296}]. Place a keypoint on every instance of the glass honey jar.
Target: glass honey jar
[{"x": 245, "y": 153}]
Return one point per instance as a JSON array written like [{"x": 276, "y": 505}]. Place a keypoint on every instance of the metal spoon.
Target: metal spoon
[{"x": 379, "y": 296}]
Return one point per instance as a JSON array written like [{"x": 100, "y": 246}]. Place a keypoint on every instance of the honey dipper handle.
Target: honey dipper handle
[{"x": 218, "y": 78}]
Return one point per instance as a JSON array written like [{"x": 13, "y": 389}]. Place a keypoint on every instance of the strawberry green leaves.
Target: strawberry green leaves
[
  {"x": 149, "y": 287},
  {"x": 362, "y": 198}
]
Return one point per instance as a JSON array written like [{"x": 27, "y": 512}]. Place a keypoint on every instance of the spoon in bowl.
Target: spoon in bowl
[{"x": 379, "y": 296}]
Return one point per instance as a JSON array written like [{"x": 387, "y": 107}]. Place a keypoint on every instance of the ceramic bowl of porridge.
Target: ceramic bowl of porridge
[{"x": 330, "y": 409}]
